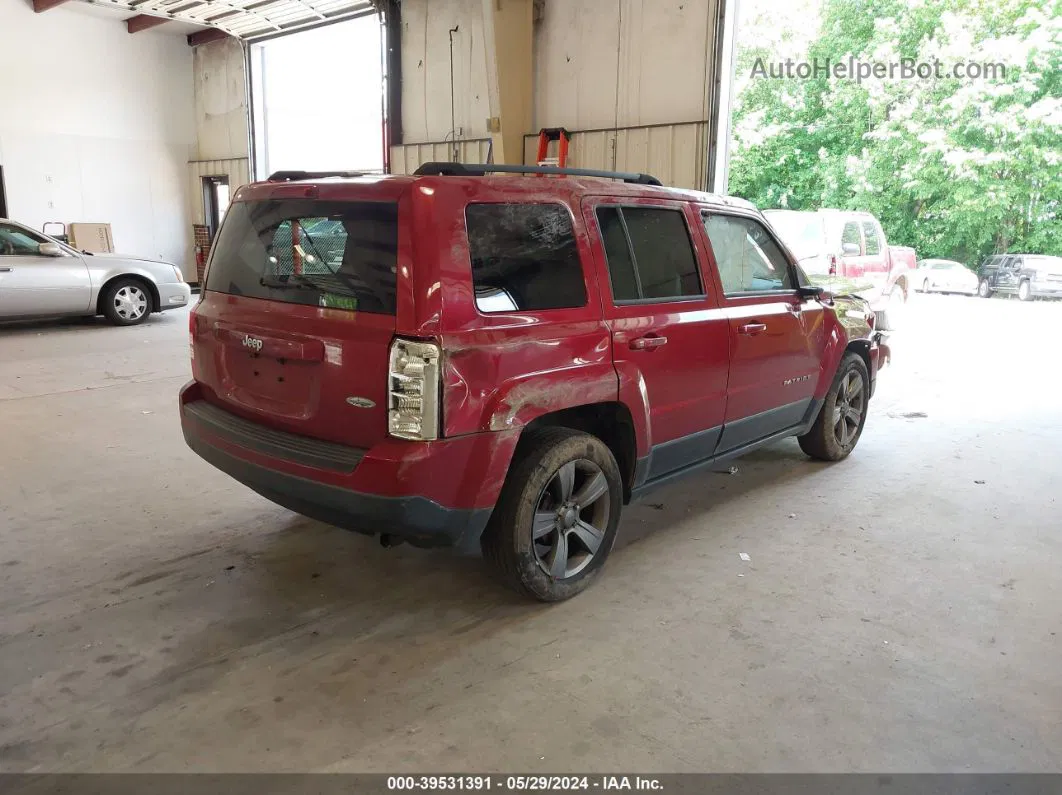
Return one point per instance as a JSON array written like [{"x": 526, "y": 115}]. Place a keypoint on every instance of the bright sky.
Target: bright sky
[{"x": 323, "y": 92}]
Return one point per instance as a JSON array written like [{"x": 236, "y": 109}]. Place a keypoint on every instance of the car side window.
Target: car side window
[
  {"x": 747, "y": 257},
  {"x": 524, "y": 257},
  {"x": 870, "y": 232},
  {"x": 649, "y": 254},
  {"x": 18, "y": 242},
  {"x": 850, "y": 235}
]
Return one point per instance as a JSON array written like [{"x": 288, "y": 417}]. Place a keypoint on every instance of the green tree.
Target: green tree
[{"x": 958, "y": 167}]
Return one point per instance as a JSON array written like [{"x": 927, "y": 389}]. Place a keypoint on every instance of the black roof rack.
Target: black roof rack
[
  {"x": 294, "y": 176},
  {"x": 481, "y": 169}
]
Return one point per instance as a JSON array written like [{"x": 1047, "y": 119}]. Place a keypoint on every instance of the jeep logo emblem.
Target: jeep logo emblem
[
  {"x": 253, "y": 343},
  {"x": 360, "y": 403}
]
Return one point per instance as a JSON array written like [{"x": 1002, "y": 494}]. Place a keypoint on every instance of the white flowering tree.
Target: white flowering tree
[{"x": 958, "y": 167}]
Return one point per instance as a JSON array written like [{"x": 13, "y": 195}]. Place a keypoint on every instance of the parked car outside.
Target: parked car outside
[
  {"x": 502, "y": 362},
  {"x": 1026, "y": 275},
  {"x": 41, "y": 277},
  {"x": 846, "y": 252},
  {"x": 944, "y": 276}
]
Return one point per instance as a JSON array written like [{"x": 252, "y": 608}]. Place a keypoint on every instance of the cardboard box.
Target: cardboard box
[{"x": 92, "y": 237}]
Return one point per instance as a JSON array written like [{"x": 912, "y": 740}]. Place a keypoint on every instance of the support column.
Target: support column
[{"x": 508, "y": 30}]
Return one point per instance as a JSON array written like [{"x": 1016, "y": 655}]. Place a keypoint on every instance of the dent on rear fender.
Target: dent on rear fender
[
  {"x": 521, "y": 402},
  {"x": 497, "y": 381}
]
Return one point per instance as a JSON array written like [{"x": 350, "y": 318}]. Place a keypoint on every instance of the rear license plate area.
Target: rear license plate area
[{"x": 264, "y": 383}]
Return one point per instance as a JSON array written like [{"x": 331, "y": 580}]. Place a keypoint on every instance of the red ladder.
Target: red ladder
[{"x": 545, "y": 137}]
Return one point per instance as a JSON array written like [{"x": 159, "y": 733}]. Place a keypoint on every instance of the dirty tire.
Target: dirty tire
[
  {"x": 508, "y": 540},
  {"x": 822, "y": 440},
  {"x": 126, "y": 302},
  {"x": 1025, "y": 291},
  {"x": 983, "y": 289}
]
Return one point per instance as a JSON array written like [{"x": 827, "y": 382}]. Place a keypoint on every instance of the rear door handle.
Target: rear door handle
[
  {"x": 5, "y": 270},
  {"x": 753, "y": 328},
  {"x": 647, "y": 343}
]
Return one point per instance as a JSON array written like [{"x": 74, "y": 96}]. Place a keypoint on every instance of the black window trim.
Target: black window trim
[
  {"x": 677, "y": 206},
  {"x": 789, "y": 264},
  {"x": 575, "y": 237}
]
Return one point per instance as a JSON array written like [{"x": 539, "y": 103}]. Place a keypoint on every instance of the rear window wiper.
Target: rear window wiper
[
  {"x": 316, "y": 250},
  {"x": 288, "y": 283},
  {"x": 313, "y": 281}
]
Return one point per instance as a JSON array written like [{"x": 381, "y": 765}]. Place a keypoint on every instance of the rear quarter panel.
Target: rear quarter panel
[{"x": 503, "y": 370}]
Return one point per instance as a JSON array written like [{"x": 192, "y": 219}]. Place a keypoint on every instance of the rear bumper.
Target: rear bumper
[
  {"x": 173, "y": 296},
  {"x": 431, "y": 494},
  {"x": 418, "y": 520}
]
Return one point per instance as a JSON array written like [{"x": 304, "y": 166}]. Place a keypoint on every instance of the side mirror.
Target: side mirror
[
  {"x": 811, "y": 291},
  {"x": 50, "y": 250},
  {"x": 850, "y": 249}
]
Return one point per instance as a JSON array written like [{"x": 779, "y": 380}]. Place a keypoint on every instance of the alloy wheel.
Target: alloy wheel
[
  {"x": 570, "y": 519},
  {"x": 130, "y": 302},
  {"x": 848, "y": 408}
]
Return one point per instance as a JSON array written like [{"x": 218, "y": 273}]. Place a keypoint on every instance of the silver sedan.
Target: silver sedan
[
  {"x": 41, "y": 277},
  {"x": 944, "y": 276}
]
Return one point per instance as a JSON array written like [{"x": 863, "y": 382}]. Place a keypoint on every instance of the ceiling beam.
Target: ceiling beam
[
  {"x": 144, "y": 22},
  {"x": 206, "y": 36},
  {"x": 44, "y": 5}
]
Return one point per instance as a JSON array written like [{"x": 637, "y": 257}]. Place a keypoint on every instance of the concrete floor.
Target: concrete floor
[{"x": 900, "y": 611}]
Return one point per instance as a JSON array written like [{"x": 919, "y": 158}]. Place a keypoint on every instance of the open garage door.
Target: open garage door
[{"x": 317, "y": 99}]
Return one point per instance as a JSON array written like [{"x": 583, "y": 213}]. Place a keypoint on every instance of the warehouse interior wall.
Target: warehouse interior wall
[
  {"x": 220, "y": 100},
  {"x": 426, "y": 61},
  {"x": 97, "y": 125},
  {"x": 221, "y": 121},
  {"x": 634, "y": 80},
  {"x": 623, "y": 63}
]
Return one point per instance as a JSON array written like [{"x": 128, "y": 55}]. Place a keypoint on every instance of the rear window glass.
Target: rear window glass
[
  {"x": 524, "y": 257},
  {"x": 302, "y": 251}
]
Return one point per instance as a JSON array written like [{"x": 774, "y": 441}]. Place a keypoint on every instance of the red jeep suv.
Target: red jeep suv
[{"x": 477, "y": 359}]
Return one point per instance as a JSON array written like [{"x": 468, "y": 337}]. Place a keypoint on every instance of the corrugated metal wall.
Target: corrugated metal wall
[
  {"x": 676, "y": 154},
  {"x": 237, "y": 169},
  {"x": 407, "y": 158}
]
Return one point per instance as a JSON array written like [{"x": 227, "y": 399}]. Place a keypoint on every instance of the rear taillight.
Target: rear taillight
[
  {"x": 833, "y": 265},
  {"x": 413, "y": 390}
]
